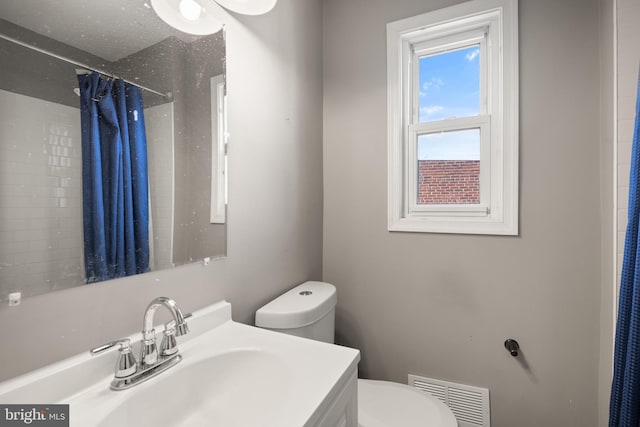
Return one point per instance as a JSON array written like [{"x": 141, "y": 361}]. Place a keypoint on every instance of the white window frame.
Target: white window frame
[
  {"x": 218, "y": 214},
  {"x": 493, "y": 25}
]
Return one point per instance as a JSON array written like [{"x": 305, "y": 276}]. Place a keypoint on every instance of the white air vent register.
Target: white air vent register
[{"x": 469, "y": 404}]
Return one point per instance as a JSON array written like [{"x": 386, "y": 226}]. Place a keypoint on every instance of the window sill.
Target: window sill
[{"x": 486, "y": 224}]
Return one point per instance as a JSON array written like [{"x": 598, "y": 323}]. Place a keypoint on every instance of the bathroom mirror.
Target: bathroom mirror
[{"x": 41, "y": 202}]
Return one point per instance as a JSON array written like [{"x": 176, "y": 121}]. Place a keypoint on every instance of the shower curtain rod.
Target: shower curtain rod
[{"x": 79, "y": 64}]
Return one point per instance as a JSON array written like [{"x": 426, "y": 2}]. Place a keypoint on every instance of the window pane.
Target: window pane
[
  {"x": 449, "y": 168},
  {"x": 450, "y": 85}
]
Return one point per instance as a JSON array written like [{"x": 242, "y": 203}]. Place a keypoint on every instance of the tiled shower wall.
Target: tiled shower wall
[
  {"x": 628, "y": 62},
  {"x": 40, "y": 195}
]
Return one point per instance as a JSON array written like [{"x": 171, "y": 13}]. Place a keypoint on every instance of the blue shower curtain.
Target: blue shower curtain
[
  {"x": 624, "y": 408},
  {"x": 114, "y": 178}
]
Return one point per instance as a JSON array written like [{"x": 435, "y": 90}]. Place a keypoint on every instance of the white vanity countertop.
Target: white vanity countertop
[{"x": 231, "y": 373}]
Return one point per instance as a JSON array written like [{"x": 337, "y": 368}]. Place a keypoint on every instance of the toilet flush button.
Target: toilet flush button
[{"x": 305, "y": 293}]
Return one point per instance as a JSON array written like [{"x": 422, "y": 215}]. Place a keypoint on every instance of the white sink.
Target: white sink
[
  {"x": 205, "y": 393},
  {"x": 231, "y": 375}
]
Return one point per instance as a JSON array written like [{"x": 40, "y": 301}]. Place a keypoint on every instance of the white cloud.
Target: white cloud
[
  {"x": 472, "y": 55},
  {"x": 429, "y": 113},
  {"x": 430, "y": 110},
  {"x": 435, "y": 83}
]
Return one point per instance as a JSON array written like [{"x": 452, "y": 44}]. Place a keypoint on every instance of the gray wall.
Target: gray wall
[
  {"x": 442, "y": 305},
  {"x": 275, "y": 222}
]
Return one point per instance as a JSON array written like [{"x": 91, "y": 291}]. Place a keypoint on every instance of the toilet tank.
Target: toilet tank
[{"x": 307, "y": 311}]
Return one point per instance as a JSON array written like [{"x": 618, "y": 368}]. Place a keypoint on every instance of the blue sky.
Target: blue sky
[{"x": 450, "y": 87}]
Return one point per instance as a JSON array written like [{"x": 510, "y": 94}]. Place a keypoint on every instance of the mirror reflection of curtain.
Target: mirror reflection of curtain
[{"x": 114, "y": 178}]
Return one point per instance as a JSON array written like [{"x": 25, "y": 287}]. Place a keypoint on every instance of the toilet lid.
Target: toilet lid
[{"x": 387, "y": 404}]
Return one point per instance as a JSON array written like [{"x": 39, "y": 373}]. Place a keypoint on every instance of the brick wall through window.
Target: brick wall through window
[{"x": 448, "y": 182}]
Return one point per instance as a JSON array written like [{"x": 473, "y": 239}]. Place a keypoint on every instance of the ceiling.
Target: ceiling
[{"x": 110, "y": 29}]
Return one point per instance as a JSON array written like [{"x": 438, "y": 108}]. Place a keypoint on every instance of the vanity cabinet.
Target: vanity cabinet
[{"x": 342, "y": 409}]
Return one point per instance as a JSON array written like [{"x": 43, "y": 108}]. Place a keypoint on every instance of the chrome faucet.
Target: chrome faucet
[
  {"x": 148, "y": 351},
  {"x": 129, "y": 372}
]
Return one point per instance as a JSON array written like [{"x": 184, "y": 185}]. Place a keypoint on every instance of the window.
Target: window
[
  {"x": 218, "y": 150},
  {"x": 453, "y": 120}
]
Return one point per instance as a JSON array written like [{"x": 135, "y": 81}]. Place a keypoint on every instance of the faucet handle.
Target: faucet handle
[
  {"x": 169, "y": 345},
  {"x": 182, "y": 329},
  {"x": 123, "y": 343},
  {"x": 126, "y": 364}
]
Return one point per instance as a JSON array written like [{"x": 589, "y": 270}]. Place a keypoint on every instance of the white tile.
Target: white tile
[
  {"x": 29, "y": 257},
  {"x": 623, "y": 173},
  {"x": 624, "y": 152},
  {"x": 622, "y": 219},
  {"x": 619, "y": 264},
  {"x": 625, "y": 130},
  {"x": 621, "y": 239},
  {"x": 623, "y": 197}
]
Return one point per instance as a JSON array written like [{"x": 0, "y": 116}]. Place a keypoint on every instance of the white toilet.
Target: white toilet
[{"x": 308, "y": 311}]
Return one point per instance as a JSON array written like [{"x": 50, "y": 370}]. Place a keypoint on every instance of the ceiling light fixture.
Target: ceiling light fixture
[
  {"x": 191, "y": 17},
  {"x": 248, "y": 7},
  {"x": 188, "y": 16},
  {"x": 190, "y": 10}
]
